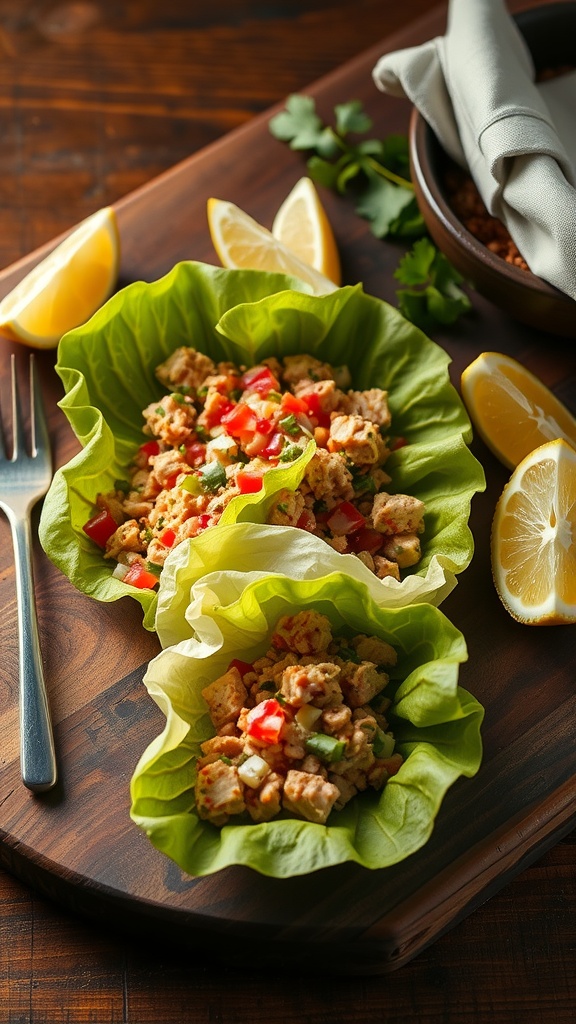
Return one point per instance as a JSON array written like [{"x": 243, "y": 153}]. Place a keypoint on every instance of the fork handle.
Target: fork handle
[{"x": 37, "y": 755}]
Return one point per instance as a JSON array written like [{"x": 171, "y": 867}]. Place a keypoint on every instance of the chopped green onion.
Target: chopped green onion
[
  {"x": 364, "y": 482},
  {"x": 154, "y": 568},
  {"x": 236, "y": 394},
  {"x": 326, "y": 748},
  {"x": 290, "y": 424},
  {"x": 122, "y": 485},
  {"x": 160, "y": 411},
  {"x": 191, "y": 483},
  {"x": 213, "y": 476},
  {"x": 290, "y": 452}
]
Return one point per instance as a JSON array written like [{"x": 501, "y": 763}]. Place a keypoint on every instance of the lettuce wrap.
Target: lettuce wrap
[
  {"x": 436, "y": 724},
  {"x": 107, "y": 368}
]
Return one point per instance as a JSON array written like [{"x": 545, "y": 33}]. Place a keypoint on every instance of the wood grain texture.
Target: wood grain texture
[{"x": 513, "y": 955}]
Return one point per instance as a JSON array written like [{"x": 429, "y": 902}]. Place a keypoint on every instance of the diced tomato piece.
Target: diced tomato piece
[
  {"x": 265, "y": 721},
  {"x": 249, "y": 481},
  {"x": 260, "y": 379},
  {"x": 345, "y": 519},
  {"x": 204, "y": 520},
  {"x": 291, "y": 403},
  {"x": 240, "y": 419},
  {"x": 274, "y": 446},
  {"x": 307, "y": 521},
  {"x": 218, "y": 411},
  {"x": 195, "y": 454},
  {"x": 150, "y": 448},
  {"x": 170, "y": 481},
  {"x": 314, "y": 409},
  {"x": 100, "y": 528},
  {"x": 242, "y": 666},
  {"x": 366, "y": 539},
  {"x": 167, "y": 537},
  {"x": 140, "y": 577}
]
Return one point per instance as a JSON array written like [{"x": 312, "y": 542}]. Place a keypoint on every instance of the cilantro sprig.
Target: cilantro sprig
[
  {"x": 376, "y": 173},
  {"x": 431, "y": 292}
]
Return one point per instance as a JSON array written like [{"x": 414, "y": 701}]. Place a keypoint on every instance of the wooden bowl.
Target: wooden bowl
[{"x": 550, "y": 32}]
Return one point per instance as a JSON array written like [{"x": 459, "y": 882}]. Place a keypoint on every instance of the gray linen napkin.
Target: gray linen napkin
[{"x": 475, "y": 87}]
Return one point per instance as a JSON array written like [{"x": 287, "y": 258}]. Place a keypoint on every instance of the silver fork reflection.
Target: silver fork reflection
[{"x": 24, "y": 478}]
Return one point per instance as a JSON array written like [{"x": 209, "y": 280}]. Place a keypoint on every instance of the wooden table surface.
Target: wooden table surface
[{"x": 96, "y": 99}]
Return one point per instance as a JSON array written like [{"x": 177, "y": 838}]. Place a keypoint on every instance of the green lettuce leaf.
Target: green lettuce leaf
[
  {"x": 107, "y": 368},
  {"x": 436, "y": 724}
]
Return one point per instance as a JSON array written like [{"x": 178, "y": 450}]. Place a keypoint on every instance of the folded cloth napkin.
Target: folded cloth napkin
[{"x": 475, "y": 87}]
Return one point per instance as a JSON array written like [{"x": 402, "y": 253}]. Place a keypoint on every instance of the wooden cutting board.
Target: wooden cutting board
[{"x": 77, "y": 843}]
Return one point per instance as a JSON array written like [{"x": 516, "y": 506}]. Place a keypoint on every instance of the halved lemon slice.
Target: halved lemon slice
[
  {"x": 242, "y": 243},
  {"x": 511, "y": 409},
  {"x": 302, "y": 225},
  {"x": 534, "y": 537},
  {"x": 67, "y": 287}
]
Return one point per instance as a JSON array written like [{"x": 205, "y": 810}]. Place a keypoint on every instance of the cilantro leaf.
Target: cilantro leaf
[
  {"x": 432, "y": 290},
  {"x": 298, "y": 124},
  {"x": 376, "y": 172},
  {"x": 350, "y": 117},
  {"x": 383, "y": 205}
]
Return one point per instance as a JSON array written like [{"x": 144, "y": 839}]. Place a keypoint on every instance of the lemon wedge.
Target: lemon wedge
[
  {"x": 533, "y": 544},
  {"x": 67, "y": 287},
  {"x": 511, "y": 409},
  {"x": 302, "y": 225},
  {"x": 242, "y": 243}
]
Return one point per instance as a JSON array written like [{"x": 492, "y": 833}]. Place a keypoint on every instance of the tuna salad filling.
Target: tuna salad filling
[
  {"x": 215, "y": 432},
  {"x": 301, "y": 730}
]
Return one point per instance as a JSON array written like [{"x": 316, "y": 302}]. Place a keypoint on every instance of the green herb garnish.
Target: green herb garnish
[
  {"x": 431, "y": 289},
  {"x": 326, "y": 748},
  {"x": 375, "y": 170},
  {"x": 290, "y": 424}
]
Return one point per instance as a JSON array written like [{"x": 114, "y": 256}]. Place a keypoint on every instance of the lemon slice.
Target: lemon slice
[
  {"x": 67, "y": 287},
  {"x": 242, "y": 243},
  {"x": 533, "y": 544},
  {"x": 302, "y": 225},
  {"x": 511, "y": 409}
]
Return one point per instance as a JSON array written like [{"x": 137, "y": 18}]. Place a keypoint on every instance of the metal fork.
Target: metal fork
[{"x": 24, "y": 479}]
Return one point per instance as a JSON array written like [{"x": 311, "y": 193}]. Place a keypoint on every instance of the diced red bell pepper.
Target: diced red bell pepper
[
  {"x": 314, "y": 409},
  {"x": 307, "y": 521},
  {"x": 265, "y": 721},
  {"x": 204, "y": 520},
  {"x": 291, "y": 403},
  {"x": 345, "y": 519},
  {"x": 195, "y": 454},
  {"x": 260, "y": 379},
  {"x": 242, "y": 666},
  {"x": 100, "y": 527},
  {"x": 249, "y": 481},
  {"x": 150, "y": 448},
  {"x": 366, "y": 539},
  {"x": 274, "y": 446},
  {"x": 170, "y": 481},
  {"x": 167, "y": 537},
  {"x": 140, "y": 577},
  {"x": 218, "y": 409},
  {"x": 240, "y": 419}
]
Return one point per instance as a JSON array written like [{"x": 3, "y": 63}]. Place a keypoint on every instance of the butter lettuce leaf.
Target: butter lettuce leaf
[
  {"x": 435, "y": 721},
  {"x": 107, "y": 369}
]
